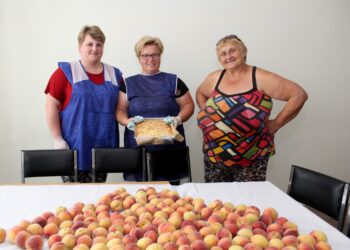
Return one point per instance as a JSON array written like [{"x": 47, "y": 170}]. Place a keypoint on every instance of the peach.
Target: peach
[
  {"x": 271, "y": 212},
  {"x": 240, "y": 209},
  {"x": 259, "y": 224},
  {"x": 128, "y": 238},
  {"x": 34, "y": 242},
  {"x": 114, "y": 242},
  {"x": 176, "y": 220},
  {"x": 69, "y": 240},
  {"x": 64, "y": 231},
  {"x": 306, "y": 238},
  {"x": 183, "y": 240},
  {"x": 199, "y": 245},
  {"x": 252, "y": 246},
  {"x": 58, "y": 246},
  {"x": 81, "y": 247},
  {"x": 273, "y": 235},
  {"x": 21, "y": 238},
  {"x": 277, "y": 243},
  {"x": 259, "y": 231},
  {"x": 82, "y": 231},
  {"x": 144, "y": 242},
  {"x": 290, "y": 240},
  {"x": 266, "y": 219},
  {"x": 233, "y": 228},
  {"x": 77, "y": 224},
  {"x": 223, "y": 233},
  {"x": 253, "y": 210},
  {"x": 240, "y": 240},
  {"x": 225, "y": 243},
  {"x": 305, "y": 246},
  {"x": 24, "y": 224},
  {"x": 153, "y": 235},
  {"x": 128, "y": 202},
  {"x": 99, "y": 246},
  {"x": 50, "y": 229},
  {"x": 100, "y": 231},
  {"x": 47, "y": 214},
  {"x": 53, "y": 239},
  {"x": 39, "y": 220},
  {"x": 99, "y": 239},
  {"x": 170, "y": 246},
  {"x": 154, "y": 246},
  {"x": 105, "y": 222},
  {"x": 245, "y": 232},
  {"x": 189, "y": 215},
  {"x": 236, "y": 247},
  {"x": 192, "y": 236},
  {"x": 206, "y": 212},
  {"x": 116, "y": 205},
  {"x": 259, "y": 240},
  {"x": 291, "y": 231},
  {"x": 322, "y": 245},
  {"x": 319, "y": 235},
  {"x": 274, "y": 227},
  {"x": 64, "y": 215},
  {"x": 35, "y": 229},
  {"x": 66, "y": 224},
  {"x": 2, "y": 235},
  {"x": 184, "y": 247},
  {"x": 204, "y": 231},
  {"x": 288, "y": 225},
  {"x": 281, "y": 220},
  {"x": 84, "y": 239},
  {"x": 166, "y": 227},
  {"x": 165, "y": 237},
  {"x": 211, "y": 240}
]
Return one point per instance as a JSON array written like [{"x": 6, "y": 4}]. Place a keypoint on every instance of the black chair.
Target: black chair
[
  {"x": 51, "y": 162},
  {"x": 166, "y": 163},
  {"x": 118, "y": 160},
  {"x": 319, "y": 191}
]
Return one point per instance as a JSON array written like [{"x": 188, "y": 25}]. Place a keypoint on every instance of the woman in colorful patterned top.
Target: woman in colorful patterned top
[{"x": 235, "y": 105}]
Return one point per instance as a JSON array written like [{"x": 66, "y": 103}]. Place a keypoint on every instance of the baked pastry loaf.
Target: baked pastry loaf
[{"x": 153, "y": 128}]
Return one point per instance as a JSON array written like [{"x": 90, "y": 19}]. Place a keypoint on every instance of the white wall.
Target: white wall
[{"x": 306, "y": 41}]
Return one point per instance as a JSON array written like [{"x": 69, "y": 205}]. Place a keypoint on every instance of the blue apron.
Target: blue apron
[
  {"x": 89, "y": 121},
  {"x": 151, "y": 96}
]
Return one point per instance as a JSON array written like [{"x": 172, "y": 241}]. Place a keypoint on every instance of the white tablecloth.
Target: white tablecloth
[{"x": 20, "y": 202}]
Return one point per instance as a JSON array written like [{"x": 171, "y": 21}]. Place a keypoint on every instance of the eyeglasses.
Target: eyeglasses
[
  {"x": 148, "y": 56},
  {"x": 228, "y": 37}
]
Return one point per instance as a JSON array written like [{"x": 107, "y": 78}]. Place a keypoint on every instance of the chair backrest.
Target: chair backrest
[
  {"x": 50, "y": 162},
  {"x": 167, "y": 163},
  {"x": 118, "y": 160},
  {"x": 322, "y": 192}
]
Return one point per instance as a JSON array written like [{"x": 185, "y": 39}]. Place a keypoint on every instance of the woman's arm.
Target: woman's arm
[
  {"x": 205, "y": 88},
  {"x": 282, "y": 89},
  {"x": 186, "y": 105},
  {"x": 122, "y": 109},
  {"x": 52, "y": 110}
]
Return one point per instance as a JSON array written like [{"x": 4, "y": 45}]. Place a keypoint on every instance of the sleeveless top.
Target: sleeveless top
[
  {"x": 89, "y": 121},
  {"x": 234, "y": 126},
  {"x": 152, "y": 96}
]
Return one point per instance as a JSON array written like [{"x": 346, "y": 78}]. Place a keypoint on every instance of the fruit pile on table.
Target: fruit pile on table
[{"x": 153, "y": 220}]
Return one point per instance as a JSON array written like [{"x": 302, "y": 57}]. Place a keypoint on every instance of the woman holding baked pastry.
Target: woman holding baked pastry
[
  {"x": 152, "y": 94},
  {"x": 235, "y": 105}
]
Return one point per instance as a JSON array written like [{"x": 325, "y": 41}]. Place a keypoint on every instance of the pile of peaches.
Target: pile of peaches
[{"x": 152, "y": 220}]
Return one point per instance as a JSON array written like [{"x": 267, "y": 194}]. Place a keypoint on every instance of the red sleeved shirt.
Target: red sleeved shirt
[{"x": 61, "y": 89}]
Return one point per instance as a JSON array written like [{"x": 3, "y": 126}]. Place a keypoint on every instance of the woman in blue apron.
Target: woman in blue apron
[
  {"x": 150, "y": 94},
  {"x": 81, "y": 103}
]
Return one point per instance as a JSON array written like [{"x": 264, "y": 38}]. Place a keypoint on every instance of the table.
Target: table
[{"x": 28, "y": 201}]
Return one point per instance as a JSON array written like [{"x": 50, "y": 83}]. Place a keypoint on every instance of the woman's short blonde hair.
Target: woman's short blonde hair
[
  {"x": 148, "y": 40},
  {"x": 94, "y": 31},
  {"x": 235, "y": 40}
]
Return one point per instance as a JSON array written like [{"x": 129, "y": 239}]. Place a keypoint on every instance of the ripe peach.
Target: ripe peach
[
  {"x": 154, "y": 246},
  {"x": 225, "y": 243},
  {"x": 84, "y": 239},
  {"x": 195, "y": 235},
  {"x": 223, "y": 233},
  {"x": 114, "y": 242},
  {"x": 291, "y": 231},
  {"x": 206, "y": 212},
  {"x": 236, "y": 247},
  {"x": 277, "y": 243},
  {"x": 322, "y": 245},
  {"x": 69, "y": 240},
  {"x": 259, "y": 240},
  {"x": 128, "y": 202},
  {"x": 99, "y": 239},
  {"x": 166, "y": 237},
  {"x": 245, "y": 232},
  {"x": 100, "y": 231},
  {"x": 35, "y": 229},
  {"x": 288, "y": 225},
  {"x": 53, "y": 239},
  {"x": 273, "y": 235},
  {"x": 189, "y": 215},
  {"x": 2, "y": 235},
  {"x": 34, "y": 242},
  {"x": 240, "y": 240},
  {"x": 152, "y": 234},
  {"x": 99, "y": 246},
  {"x": 271, "y": 212},
  {"x": 47, "y": 214},
  {"x": 319, "y": 235},
  {"x": 66, "y": 224},
  {"x": 260, "y": 231},
  {"x": 82, "y": 231},
  {"x": 166, "y": 227},
  {"x": 144, "y": 242},
  {"x": 24, "y": 224},
  {"x": 50, "y": 229},
  {"x": 128, "y": 238},
  {"x": 233, "y": 228},
  {"x": 170, "y": 246},
  {"x": 281, "y": 220},
  {"x": 211, "y": 240},
  {"x": 305, "y": 246},
  {"x": 199, "y": 245},
  {"x": 64, "y": 215},
  {"x": 274, "y": 227},
  {"x": 253, "y": 210},
  {"x": 58, "y": 246},
  {"x": 183, "y": 240},
  {"x": 306, "y": 238},
  {"x": 81, "y": 247},
  {"x": 290, "y": 240},
  {"x": 21, "y": 238},
  {"x": 39, "y": 220},
  {"x": 204, "y": 231},
  {"x": 252, "y": 246},
  {"x": 65, "y": 230}
]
